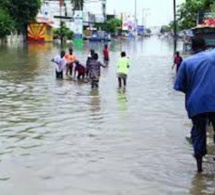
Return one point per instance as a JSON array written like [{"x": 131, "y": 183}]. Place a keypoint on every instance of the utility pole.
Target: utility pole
[
  {"x": 61, "y": 3},
  {"x": 104, "y": 9},
  {"x": 175, "y": 26},
  {"x": 135, "y": 18}
]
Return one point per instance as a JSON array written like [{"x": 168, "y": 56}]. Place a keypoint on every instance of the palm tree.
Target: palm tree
[{"x": 77, "y": 4}]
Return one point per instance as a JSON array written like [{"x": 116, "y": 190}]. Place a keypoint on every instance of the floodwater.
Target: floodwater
[{"x": 62, "y": 138}]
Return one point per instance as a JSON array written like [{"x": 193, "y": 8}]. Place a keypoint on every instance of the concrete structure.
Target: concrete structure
[{"x": 93, "y": 11}]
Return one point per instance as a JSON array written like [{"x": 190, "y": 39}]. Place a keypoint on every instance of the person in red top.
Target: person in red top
[
  {"x": 106, "y": 54},
  {"x": 177, "y": 61}
]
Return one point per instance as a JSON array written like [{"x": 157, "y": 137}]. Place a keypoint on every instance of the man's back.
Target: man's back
[
  {"x": 196, "y": 78},
  {"x": 94, "y": 68},
  {"x": 123, "y": 65},
  {"x": 60, "y": 63}
]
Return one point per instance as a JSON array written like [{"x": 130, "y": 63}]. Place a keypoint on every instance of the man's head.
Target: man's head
[
  {"x": 177, "y": 53},
  {"x": 198, "y": 44},
  {"x": 105, "y": 46},
  {"x": 77, "y": 62},
  {"x": 62, "y": 54},
  {"x": 95, "y": 56},
  {"x": 92, "y": 52},
  {"x": 123, "y": 54},
  {"x": 70, "y": 51}
]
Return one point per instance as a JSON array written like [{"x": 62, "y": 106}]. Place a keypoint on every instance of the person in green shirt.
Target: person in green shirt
[{"x": 122, "y": 69}]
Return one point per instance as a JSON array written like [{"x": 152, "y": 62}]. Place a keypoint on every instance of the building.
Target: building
[
  {"x": 40, "y": 32},
  {"x": 93, "y": 11}
]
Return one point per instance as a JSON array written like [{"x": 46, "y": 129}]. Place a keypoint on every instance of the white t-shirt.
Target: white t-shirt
[{"x": 60, "y": 63}]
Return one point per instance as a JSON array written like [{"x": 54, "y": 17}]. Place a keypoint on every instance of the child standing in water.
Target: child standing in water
[
  {"x": 122, "y": 69},
  {"x": 95, "y": 71},
  {"x": 177, "y": 61},
  {"x": 60, "y": 63}
]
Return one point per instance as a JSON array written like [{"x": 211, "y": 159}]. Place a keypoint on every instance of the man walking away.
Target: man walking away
[
  {"x": 95, "y": 71},
  {"x": 196, "y": 79},
  {"x": 122, "y": 69}
]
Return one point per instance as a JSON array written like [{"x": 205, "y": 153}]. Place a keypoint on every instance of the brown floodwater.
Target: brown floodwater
[{"x": 59, "y": 137}]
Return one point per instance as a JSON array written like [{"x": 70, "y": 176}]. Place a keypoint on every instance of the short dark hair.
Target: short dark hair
[
  {"x": 177, "y": 53},
  {"x": 123, "y": 54},
  {"x": 70, "y": 50},
  {"x": 92, "y": 51},
  {"x": 95, "y": 56},
  {"x": 198, "y": 43},
  {"x": 62, "y": 53}
]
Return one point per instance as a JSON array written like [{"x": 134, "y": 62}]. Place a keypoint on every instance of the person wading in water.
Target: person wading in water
[{"x": 196, "y": 79}]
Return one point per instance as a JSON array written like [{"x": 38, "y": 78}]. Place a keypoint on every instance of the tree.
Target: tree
[
  {"x": 63, "y": 32},
  {"x": 6, "y": 24},
  {"x": 188, "y": 12},
  {"x": 22, "y": 12},
  {"x": 113, "y": 24},
  {"x": 165, "y": 29},
  {"x": 77, "y": 4}
]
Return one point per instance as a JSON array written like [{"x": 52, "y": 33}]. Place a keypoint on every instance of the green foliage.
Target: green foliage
[
  {"x": 6, "y": 24},
  {"x": 77, "y": 4},
  {"x": 70, "y": 35},
  {"x": 21, "y": 11},
  {"x": 101, "y": 26},
  {"x": 148, "y": 31},
  {"x": 111, "y": 25},
  {"x": 64, "y": 32},
  {"x": 165, "y": 29},
  {"x": 188, "y": 12}
]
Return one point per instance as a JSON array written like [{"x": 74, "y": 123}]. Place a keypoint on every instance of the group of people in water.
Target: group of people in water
[{"x": 68, "y": 63}]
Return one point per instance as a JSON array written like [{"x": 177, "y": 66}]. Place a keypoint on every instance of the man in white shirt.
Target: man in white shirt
[{"x": 60, "y": 64}]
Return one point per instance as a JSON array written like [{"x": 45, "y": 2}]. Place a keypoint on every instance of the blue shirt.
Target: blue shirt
[{"x": 196, "y": 78}]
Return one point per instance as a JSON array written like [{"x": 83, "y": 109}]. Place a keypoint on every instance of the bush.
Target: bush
[
  {"x": 6, "y": 23},
  {"x": 64, "y": 31}
]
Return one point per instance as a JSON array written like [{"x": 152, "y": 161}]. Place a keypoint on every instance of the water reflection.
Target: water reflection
[
  {"x": 95, "y": 102},
  {"x": 122, "y": 101},
  {"x": 203, "y": 184}
]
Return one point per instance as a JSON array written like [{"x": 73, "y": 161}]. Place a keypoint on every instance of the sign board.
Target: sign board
[
  {"x": 140, "y": 29},
  {"x": 128, "y": 22},
  {"x": 78, "y": 24},
  {"x": 205, "y": 15}
]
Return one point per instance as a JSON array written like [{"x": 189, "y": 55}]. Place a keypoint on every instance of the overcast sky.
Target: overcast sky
[{"x": 159, "y": 11}]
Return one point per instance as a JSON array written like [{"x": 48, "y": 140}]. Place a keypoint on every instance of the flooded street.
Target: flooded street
[{"x": 62, "y": 138}]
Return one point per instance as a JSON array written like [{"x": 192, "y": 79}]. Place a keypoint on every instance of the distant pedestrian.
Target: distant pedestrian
[
  {"x": 81, "y": 70},
  {"x": 95, "y": 71},
  {"x": 106, "y": 54},
  {"x": 196, "y": 79},
  {"x": 177, "y": 61},
  {"x": 60, "y": 64},
  {"x": 70, "y": 60},
  {"x": 123, "y": 65}
]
